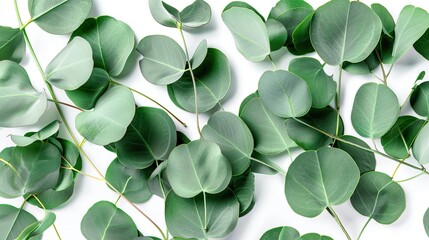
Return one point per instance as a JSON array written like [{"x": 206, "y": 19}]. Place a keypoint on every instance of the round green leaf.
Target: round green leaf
[
  {"x": 233, "y": 137},
  {"x": 249, "y": 32},
  {"x": 426, "y": 221},
  {"x": 241, "y": 4},
  {"x": 364, "y": 160},
  {"x": 13, "y": 221},
  {"x": 284, "y": 94},
  {"x": 375, "y": 110},
  {"x": 378, "y": 197},
  {"x": 411, "y": 25},
  {"x": 421, "y": 146},
  {"x": 112, "y": 114},
  {"x": 150, "y": 136},
  {"x": 322, "y": 87},
  {"x": 268, "y": 130},
  {"x": 308, "y": 138},
  {"x": 29, "y": 138},
  {"x": 398, "y": 140},
  {"x": 105, "y": 221},
  {"x": 133, "y": 183},
  {"x": 345, "y": 31},
  {"x": 112, "y": 42},
  {"x": 213, "y": 81},
  {"x": 163, "y": 62},
  {"x": 211, "y": 171},
  {"x": 385, "y": 17},
  {"x": 88, "y": 94},
  {"x": 222, "y": 215},
  {"x": 59, "y": 16},
  {"x": 281, "y": 233},
  {"x": 319, "y": 179},
  {"x": 196, "y": 15},
  {"x": 277, "y": 34},
  {"x": 12, "y": 44},
  {"x": 314, "y": 236},
  {"x": 33, "y": 169},
  {"x": 21, "y": 104},
  {"x": 72, "y": 67},
  {"x": 163, "y": 13},
  {"x": 199, "y": 55},
  {"x": 420, "y": 99},
  {"x": 243, "y": 187}
]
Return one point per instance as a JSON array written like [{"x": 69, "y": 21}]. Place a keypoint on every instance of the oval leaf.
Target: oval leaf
[
  {"x": 196, "y": 15},
  {"x": 421, "y": 146},
  {"x": 420, "y": 99},
  {"x": 277, "y": 34}
]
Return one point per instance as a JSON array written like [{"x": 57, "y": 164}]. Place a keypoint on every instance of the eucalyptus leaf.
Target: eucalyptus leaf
[
  {"x": 199, "y": 55},
  {"x": 222, "y": 215},
  {"x": 411, "y": 25},
  {"x": 211, "y": 171},
  {"x": 70, "y": 158},
  {"x": 52, "y": 199},
  {"x": 241, "y": 4},
  {"x": 163, "y": 62},
  {"x": 319, "y": 179},
  {"x": 33, "y": 169},
  {"x": 281, "y": 233},
  {"x": 249, "y": 32},
  {"x": 364, "y": 160},
  {"x": 419, "y": 99},
  {"x": 29, "y": 138},
  {"x": 233, "y": 137},
  {"x": 420, "y": 147},
  {"x": 375, "y": 110},
  {"x": 301, "y": 36},
  {"x": 268, "y": 130},
  {"x": 284, "y": 94},
  {"x": 345, "y": 31},
  {"x": 12, "y": 44},
  {"x": 21, "y": 104},
  {"x": 367, "y": 66},
  {"x": 277, "y": 34},
  {"x": 322, "y": 87},
  {"x": 212, "y": 79},
  {"x": 421, "y": 46},
  {"x": 196, "y": 15},
  {"x": 59, "y": 16},
  {"x": 385, "y": 17},
  {"x": 243, "y": 187},
  {"x": 88, "y": 94},
  {"x": 112, "y": 114},
  {"x": 37, "y": 228},
  {"x": 378, "y": 197},
  {"x": 426, "y": 222},
  {"x": 150, "y": 136},
  {"x": 106, "y": 221},
  {"x": 314, "y": 236},
  {"x": 132, "y": 183},
  {"x": 112, "y": 42},
  {"x": 13, "y": 221},
  {"x": 257, "y": 167},
  {"x": 399, "y": 139},
  {"x": 159, "y": 12}
]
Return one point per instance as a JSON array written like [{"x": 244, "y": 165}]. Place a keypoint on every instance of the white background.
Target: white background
[{"x": 271, "y": 209}]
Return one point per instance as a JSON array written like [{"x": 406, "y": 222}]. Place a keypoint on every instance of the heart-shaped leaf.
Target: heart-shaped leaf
[
  {"x": 211, "y": 171},
  {"x": 222, "y": 215},
  {"x": 106, "y": 221},
  {"x": 112, "y": 42},
  {"x": 59, "y": 16},
  {"x": 345, "y": 31},
  {"x": 112, "y": 114},
  {"x": 322, "y": 87},
  {"x": 21, "y": 104},
  {"x": 378, "y": 197},
  {"x": 249, "y": 32},
  {"x": 364, "y": 160},
  {"x": 284, "y": 94},
  {"x": 88, "y": 94},
  {"x": 213, "y": 81},
  {"x": 411, "y": 25},
  {"x": 13, "y": 221},
  {"x": 375, "y": 110},
  {"x": 163, "y": 62},
  {"x": 319, "y": 179},
  {"x": 421, "y": 146},
  {"x": 233, "y": 137},
  {"x": 420, "y": 99},
  {"x": 12, "y": 44},
  {"x": 281, "y": 233},
  {"x": 268, "y": 130},
  {"x": 72, "y": 67},
  {"x": 150, "y": 136},
  {"x": 29, "y": 138}
]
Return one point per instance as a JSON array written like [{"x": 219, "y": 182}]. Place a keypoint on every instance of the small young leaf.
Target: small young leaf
[
  {"x": 163, "y": 13},
  {"x": 421, "y": 146},
  {"x": 284, "y": 94},
  {"x": 29, "y": 138},
  {"x": 111, "y": 116},
  {"x": 12, "y": 44},
  {"x": 211, "y": 170},
  {"x": 163, "y": 60},
  {"x": 319, "y": 179},
  {"x": 281, "y": 233},
  {"x": 378, "y": 197},
  {"x": 375, "y": 110},
  {"x": 199, "y": 55},
  {"x": 105, "y": 221},
  {"x": 13, "y": 221},
  {"x": 37, "y": 228},
  {"x": 385, "y": 17},
  {"x": 59, "y": 16},
  {"x": 196, "y": 15},
  {"x": 16, "y": 92},
  {"x": 364, "y": 160}
]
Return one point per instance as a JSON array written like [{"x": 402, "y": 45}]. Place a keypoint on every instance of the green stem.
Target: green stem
[
  {"x": 205, "y": 211},
  {"x": 337, "y": 219},
  {"x": 25, "y": 201},
  {"x": 411, "y": 178},
  {"x": 338, "y": 100},
  {"x": 382, "y": 67},
  {"x": 408, "y": 97},
  {"x": 360, "y": 147},
  {"x": 272, "y": 62},
  {"x": 65, "y": 104},
  {"x": 272, "y": 166},
  {"x": 150, "y": 99},
  {"x": 193, "y": 79},
  {"x": 26, "y": 24},
  {"x": 363, "y": 229}
]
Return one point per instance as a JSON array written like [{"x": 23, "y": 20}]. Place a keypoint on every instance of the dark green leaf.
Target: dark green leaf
[
  {"x": 12, "y": 44},
  {"x": 277, "y": 34},
  {"x": 365, "y": 160},
  {"x": 421, "y": 146},
  {"x": 420, "y": 99}
]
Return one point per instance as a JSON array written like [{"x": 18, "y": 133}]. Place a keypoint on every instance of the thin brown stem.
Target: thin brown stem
[{"x": 65, "y": 104}]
